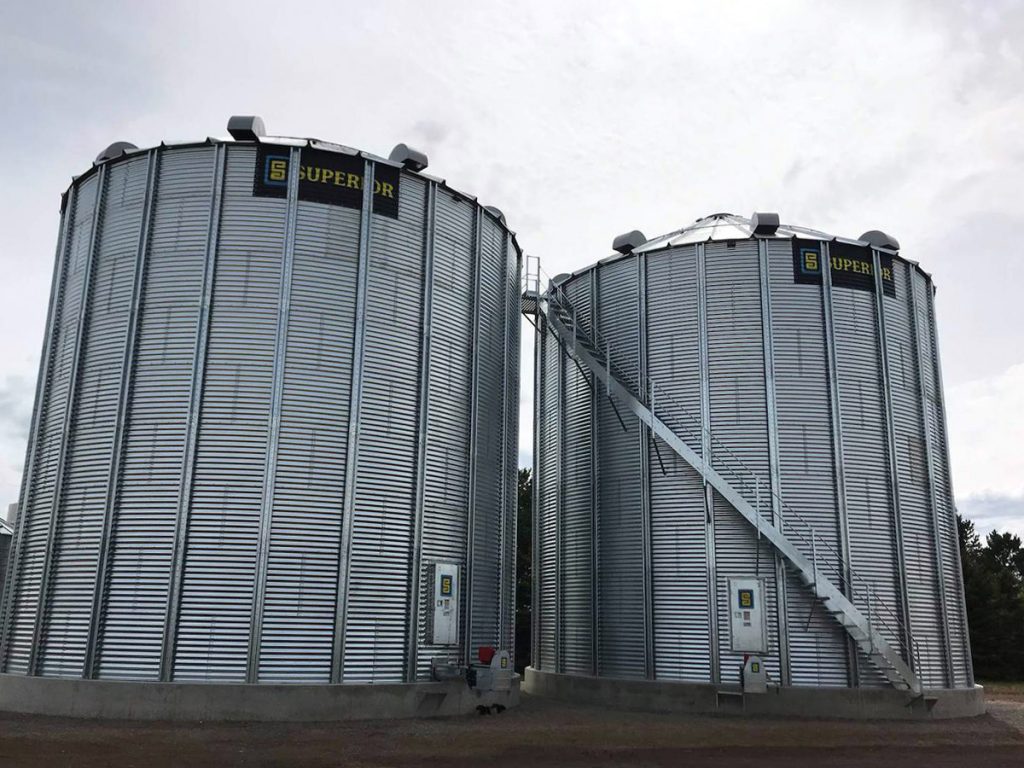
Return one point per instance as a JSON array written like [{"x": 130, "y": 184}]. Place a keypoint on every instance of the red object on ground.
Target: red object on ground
[{"x": 486, "y": 653}]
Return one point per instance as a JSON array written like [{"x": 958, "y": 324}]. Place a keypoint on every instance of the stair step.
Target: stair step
[
  {"x": 849, "y": 617},
  {"x": 881, "y": 662}
]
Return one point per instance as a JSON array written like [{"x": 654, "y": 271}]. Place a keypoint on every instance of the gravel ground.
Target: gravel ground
[{"x": 537, "y": 734}]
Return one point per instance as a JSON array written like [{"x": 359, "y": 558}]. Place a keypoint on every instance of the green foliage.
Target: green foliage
[
  {"x": 994, "y": 590},
  {"x": 524, "y": 569}
]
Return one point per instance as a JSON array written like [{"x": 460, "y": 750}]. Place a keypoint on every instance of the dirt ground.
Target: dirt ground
[{"x": 537, "y": 734}]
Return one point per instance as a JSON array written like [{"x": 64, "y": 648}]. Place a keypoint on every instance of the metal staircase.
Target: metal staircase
[{"x": 814, "y": 561}]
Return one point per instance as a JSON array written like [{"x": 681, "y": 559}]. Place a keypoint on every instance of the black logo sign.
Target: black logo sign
[
  {"x": 852, "y": 266},
  {"x": 325, "y": 177}
]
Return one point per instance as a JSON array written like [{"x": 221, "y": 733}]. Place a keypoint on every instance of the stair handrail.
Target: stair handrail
[{"x": 901, "y": 632}]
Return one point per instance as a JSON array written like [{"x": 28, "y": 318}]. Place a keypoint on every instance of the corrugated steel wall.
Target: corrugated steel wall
[
  {"x": 157, "y": 422},
  {"x": 378, "y": 567},
  {"x": 679, "y": 520},
  {"x": 79, "y": 525},
  {"x": 914, "y": 492},
  {"x": 943, "y": 510},
  {"x": 303, "y": 555},
  {"x": 739, "y": 430},
  {"x": 33, "y": 534},
  {"x": 486, "y": 557},
  {"x": 817, "y": 645},
  {"x": 779, "y": 422},
  {"x": 620, "y": 485},
  {"x": 192, "y": 456},
  {"x": 545, "y": 572},
  {"x": 446, "y": 484},
  {"x": 218, "y": 580},
  {"x": 869, "y": 503},
  {"x": 509, "y": 575},
  {"x": 576, "y": 540},
  {"x": 5, "y": 551}
]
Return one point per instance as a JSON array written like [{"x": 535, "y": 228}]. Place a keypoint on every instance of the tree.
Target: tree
[
  {"x": 1005, "y": 555},
  {"x": 994, "y": 593},
  {"x": 524, "y": 570}
]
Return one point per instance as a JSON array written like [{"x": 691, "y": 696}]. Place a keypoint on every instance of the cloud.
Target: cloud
[
  {"x": 986, "y": 432},
  {"x": 431, "y": 131},
  {"x": 579, "y": 120},
  {"x": 994, "y": 512},
  {"x": 16, "y": 393}
]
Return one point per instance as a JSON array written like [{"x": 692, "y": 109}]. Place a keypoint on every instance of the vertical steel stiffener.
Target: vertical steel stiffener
[
  {"x": 792, "y": 462},
  {"x": 279, "y": 439}
]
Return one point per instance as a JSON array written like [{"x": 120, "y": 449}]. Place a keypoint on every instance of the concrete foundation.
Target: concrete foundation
[
  {"x": 845, "y": 703},
  {"x": 217, "y": 701}
]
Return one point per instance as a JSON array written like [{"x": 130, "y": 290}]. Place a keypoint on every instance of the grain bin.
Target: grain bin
[
  {"x": 278, "y": 392},
  {"x": 742, "y": 471}
]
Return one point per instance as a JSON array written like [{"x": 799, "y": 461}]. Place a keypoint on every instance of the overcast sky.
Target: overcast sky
[{"x": 579, "y": 120}]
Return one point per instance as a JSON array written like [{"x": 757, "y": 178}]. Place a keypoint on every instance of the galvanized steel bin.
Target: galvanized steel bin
[
  {"x": 816, "y": 390},
  {"x": 280, "y": 378}
]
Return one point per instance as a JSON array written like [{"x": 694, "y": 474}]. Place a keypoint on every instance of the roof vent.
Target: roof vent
[
  {"x": 764, "y": 224},
  {"x": 116, "y": 149},
  {"x": 876, "y": 238},
  {"x": 246, "y": 127},
  {"x": 412, "y": 159},
  {"x": 627, "y": 242},
  {"x": 495, "y": 212}
]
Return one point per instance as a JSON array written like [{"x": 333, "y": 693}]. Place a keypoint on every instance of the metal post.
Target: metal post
[
  {"x": 124, "y": 390},
  {"x": 415, "y": 555},
  {"x": 354, "y": 423},
  {"x": 58, "y": 281},
  {"x": 894, "y": 478},
  {"x": 540, "y": 412},
  {"x": 837, "y": 445},
  {"x": 608, "y": 366},
  {"x": 68, "y": 428},
  {"x": 871, "y": 630},
  {"x": 757, "y": 504},
  {"x": 192, "y": 432},
  {"x": 814, "y": 562},
  {"x": 277, "y": 392}
]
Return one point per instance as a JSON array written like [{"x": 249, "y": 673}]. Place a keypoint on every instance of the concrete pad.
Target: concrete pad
[
  {"x": 231, "y": 702},
  {"x": 845, "y": 703}
]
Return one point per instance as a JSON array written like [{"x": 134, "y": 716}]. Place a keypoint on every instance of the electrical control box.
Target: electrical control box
[
  {"x": 496, "y": 675},
  {"x": 747, "y": 616},
  {"x": 444, "y": 613},
  {"x": 755, "y": 676}
]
